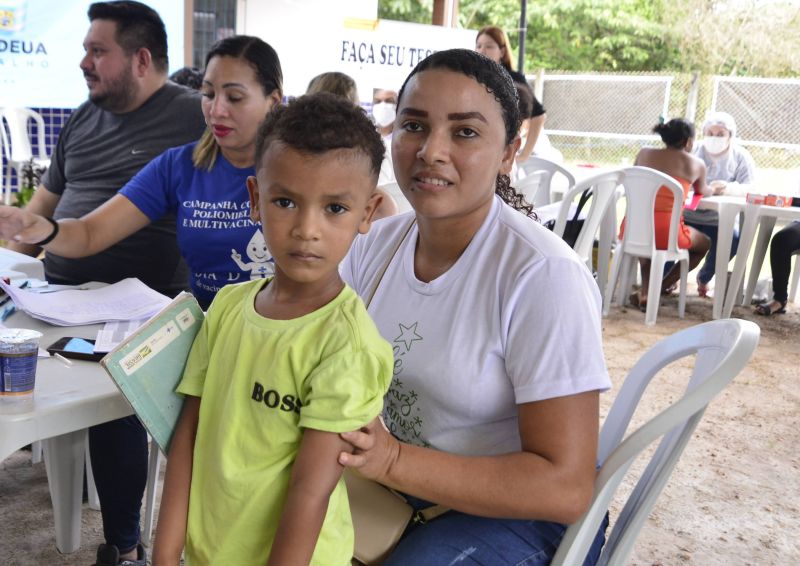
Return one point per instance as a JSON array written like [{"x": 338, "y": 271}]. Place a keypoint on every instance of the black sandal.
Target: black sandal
[
  {"x": 765, "y": 309},
  {"x": 634, "y": 300}
]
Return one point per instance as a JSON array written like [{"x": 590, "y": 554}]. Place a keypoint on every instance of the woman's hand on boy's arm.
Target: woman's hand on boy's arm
[
  {"x": 315, "y": 474},
  {"x": 172, "y": 517}
]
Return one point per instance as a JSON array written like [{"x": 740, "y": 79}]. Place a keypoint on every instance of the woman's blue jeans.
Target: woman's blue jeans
[
  {"x": 706, "y": 272},
  {"x": 460, "y": 539},
  {"x": 118, "y": 451}
]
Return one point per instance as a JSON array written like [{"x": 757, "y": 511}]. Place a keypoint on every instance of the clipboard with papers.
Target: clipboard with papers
[{"x": 148, "y": 365}]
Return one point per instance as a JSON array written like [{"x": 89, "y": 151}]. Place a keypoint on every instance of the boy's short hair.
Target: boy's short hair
[
  {"x": 138, "y": 25},
  {"x": 317, "y": 123}
]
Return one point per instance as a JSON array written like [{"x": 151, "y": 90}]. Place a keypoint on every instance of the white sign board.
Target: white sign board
[
  {"x": 41, "y": 46},
  {"x": 316, "y": 37}
]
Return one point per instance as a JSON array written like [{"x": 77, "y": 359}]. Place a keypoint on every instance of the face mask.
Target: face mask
[
  {"x": 384, "y": 113},
  {"x": 715, "y": 145}
]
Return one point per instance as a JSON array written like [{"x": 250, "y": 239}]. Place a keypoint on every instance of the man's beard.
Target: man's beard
[{"x": 119, "y": 92}]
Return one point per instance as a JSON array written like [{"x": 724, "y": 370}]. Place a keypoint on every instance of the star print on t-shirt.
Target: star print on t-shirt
[{"x": 408, "y": 335}]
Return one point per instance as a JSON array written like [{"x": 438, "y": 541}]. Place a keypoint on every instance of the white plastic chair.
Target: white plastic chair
[
  {"x": 641, "y": 186},
  {"x": 795, "y": 277},
  {"x": 17, "y": 147},
  {"x": 535, "y": 188},
  {"x": 603, "y": 190},
  {"x": 153, "y": 466},
  {"x": 393, "y": 190},
  {"x": 552, "y": 168},
  {"x": 722, "y": 348}
]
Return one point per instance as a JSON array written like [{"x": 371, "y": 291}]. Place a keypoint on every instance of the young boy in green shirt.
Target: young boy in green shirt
[{"x": 281, "y": 366}]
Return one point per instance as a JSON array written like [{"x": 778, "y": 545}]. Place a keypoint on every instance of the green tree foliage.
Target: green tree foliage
[
  {"x": 741, "y": 37},
  {"x": 599, "y": 35},
  {"x": 418, "y": 11},
  {"x": 744, "y": 37}
]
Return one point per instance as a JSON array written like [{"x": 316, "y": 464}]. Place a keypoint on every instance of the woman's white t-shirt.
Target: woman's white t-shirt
[{"x": 516, "y": 319}]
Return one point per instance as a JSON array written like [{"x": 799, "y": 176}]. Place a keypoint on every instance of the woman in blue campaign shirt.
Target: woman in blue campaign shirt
[{"x": 202, "y": 184}]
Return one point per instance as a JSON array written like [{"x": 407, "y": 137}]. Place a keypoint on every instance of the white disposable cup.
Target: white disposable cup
[{"x": 19, "y": 350}]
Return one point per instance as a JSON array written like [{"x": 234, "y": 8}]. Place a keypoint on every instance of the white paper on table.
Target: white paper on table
[
  {"x": 128, "y": 299},
  {"x": 115, "y": 332}
]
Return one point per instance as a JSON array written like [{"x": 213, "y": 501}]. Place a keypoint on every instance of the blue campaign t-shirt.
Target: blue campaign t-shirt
[{"x": 216, "y": 237}]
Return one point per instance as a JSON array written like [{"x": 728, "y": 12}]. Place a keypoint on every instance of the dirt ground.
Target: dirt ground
[{"x": 734, "y": 498}]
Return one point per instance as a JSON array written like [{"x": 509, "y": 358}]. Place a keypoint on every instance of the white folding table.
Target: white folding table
[
  {"x": 728, "y": 208},
  {"x": 66, "y": 401},
  {"x": 762, "y": 218}
]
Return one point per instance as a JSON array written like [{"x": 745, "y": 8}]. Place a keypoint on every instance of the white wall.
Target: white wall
[{"x": 315, "y": 36}]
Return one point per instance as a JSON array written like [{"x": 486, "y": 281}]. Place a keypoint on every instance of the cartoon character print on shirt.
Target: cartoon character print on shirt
[
  {"x": 401, "y": 412},
  {"x": 261, "y": 264}
]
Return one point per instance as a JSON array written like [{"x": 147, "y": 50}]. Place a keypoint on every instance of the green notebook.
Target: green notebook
[{"x": 148, "y": 365}]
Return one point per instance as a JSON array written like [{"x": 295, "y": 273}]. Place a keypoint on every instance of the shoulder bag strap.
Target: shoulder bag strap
[
  {"x": 429, "y": 513},
  {"x": 389, "y": 261}
]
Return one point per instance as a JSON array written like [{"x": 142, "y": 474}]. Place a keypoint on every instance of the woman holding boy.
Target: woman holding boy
[{"x": 492, "y": 410}]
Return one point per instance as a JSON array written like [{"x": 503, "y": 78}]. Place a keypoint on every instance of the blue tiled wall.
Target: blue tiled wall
[{"x": 54, "y": 119}]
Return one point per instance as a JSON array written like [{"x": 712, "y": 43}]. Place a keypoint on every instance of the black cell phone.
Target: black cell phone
[{"x": 78, "y": 348}]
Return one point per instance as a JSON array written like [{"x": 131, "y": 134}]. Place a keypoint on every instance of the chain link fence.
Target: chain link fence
[{"x": 604, "y": 119}]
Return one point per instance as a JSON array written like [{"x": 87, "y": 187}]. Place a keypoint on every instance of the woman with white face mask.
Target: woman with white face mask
[
  {"x": 384, "y": 110},
  {"x": 731, "y": 171}
]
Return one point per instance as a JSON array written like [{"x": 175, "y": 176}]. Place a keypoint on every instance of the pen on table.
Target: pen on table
[
  {"x": 62, "y": 359},
  {"x": 8, "y": 311},
  {"x": 24, "y": 284}
]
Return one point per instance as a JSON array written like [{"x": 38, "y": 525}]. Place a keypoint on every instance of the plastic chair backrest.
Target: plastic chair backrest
[
  {"x": 17, "y": 142},
  {"x": 534, "y": 188},
  {"x": 534, "y": 163},
  {"x": 393, "y": 190},
  {"x": 641, "y": 187},
  {"x": 722, "y": 348},
  {"x": 603, "y": 188}
]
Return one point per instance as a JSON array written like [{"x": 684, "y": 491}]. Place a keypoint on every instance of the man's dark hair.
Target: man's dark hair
[
  {"x": 191, "y": 77},
  {"x": 138, "y": 26},
  {"x": 321, "y": 122}
]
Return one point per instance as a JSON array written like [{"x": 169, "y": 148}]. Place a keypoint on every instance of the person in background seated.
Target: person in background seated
[
  {"x": 336, "y": 83},
  {"x": 492, "y": 42},
  {"x": 344, "y": 86},
  {"x": 676, "y": 161},
  {"x": 280, "y": 366},
  {"x": 783, "y": 246},
  {"x": 488, "y": 413},
  {"x": 191, "y": 77},
  {"x": 731, "y": 170},
  {"x": 384, "y": 110}
]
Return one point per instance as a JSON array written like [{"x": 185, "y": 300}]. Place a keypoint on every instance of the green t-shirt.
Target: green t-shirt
[{"x": 262, "y": 381}]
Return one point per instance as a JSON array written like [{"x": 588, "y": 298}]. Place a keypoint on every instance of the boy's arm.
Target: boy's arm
[
  {"x": 171, "y": 531},
  {"x": 315, "y": 474}
]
